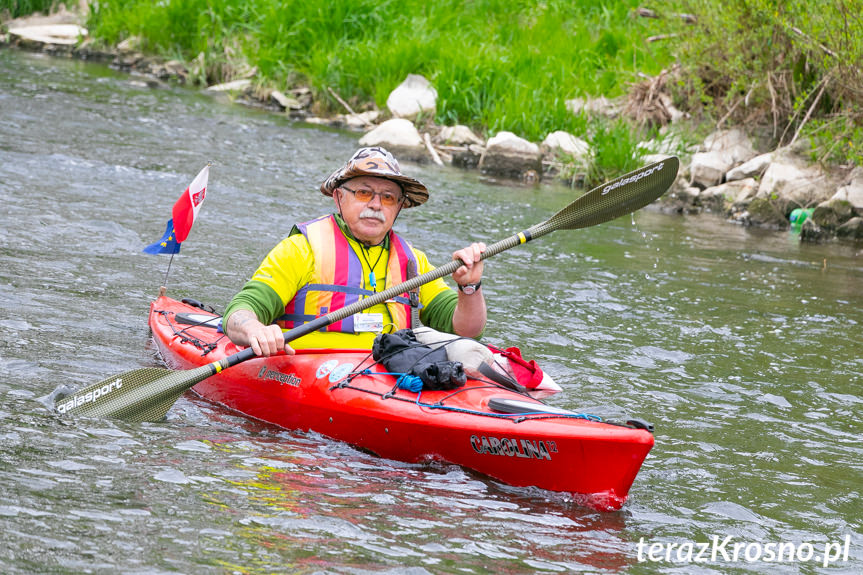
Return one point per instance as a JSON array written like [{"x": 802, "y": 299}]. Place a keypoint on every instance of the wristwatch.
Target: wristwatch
[{"x": 469, "y": 289}]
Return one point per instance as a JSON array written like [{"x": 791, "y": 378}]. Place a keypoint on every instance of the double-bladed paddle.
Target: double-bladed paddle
[{"x": 147, "y": 394}]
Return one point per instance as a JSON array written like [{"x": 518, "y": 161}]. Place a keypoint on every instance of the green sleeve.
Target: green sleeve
[
  {"x": 438, "y": 313},
  {"x": 259, "y": 298}
]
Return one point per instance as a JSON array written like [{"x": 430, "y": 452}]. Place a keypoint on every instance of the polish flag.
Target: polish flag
[{"x": 186, "y": 208}]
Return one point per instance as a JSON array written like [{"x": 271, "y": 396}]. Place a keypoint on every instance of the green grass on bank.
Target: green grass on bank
[{"x": 496, "y": 64}]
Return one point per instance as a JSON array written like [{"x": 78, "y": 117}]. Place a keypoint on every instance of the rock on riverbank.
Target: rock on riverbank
[{"x": 725, "y": 174}]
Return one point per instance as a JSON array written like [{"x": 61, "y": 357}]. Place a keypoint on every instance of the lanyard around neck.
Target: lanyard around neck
[{"x": 372, "y": 280}]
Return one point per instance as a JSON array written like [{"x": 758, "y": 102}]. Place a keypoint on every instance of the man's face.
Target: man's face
[{"x": 370, "y": 220}]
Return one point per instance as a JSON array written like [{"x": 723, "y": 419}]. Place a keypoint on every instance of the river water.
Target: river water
[{"x": 742, "y": 346}]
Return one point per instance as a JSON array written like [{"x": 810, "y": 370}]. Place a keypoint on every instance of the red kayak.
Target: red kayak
[{"x": 344, "y": 394}]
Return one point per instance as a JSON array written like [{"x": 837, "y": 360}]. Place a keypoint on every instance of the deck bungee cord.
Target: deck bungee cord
[
  {"x": 412, "y": 387},
  {"x": 185, "y": 337}
]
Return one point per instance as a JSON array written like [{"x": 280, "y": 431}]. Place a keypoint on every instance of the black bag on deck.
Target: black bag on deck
[{"x": 400, "y": 352}]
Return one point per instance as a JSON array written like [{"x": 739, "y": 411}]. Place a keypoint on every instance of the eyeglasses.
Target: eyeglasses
[{"x": 388, "y": 199}]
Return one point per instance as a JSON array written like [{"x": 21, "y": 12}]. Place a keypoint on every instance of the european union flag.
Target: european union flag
[{"x": 168, "y": 244}]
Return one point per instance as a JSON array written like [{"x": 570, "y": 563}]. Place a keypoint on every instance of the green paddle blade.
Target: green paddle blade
[
  {"x": 141, "y": 395},
  {"x": 618, "y": 197}
]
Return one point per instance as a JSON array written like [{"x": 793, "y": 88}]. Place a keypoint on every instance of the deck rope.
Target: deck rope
[
  {"x": 404, "y": 381},
  {"x": 185, "y": 337}
]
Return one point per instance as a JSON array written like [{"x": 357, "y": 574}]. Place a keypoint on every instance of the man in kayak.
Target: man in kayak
[{"x": 333, "y": 261}]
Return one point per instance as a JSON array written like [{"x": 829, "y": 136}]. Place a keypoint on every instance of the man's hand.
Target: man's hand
[
  {"x": 469, "y": 317},
  {"x": 244, "y": 328},
  {"x": 471, "y": 271}
]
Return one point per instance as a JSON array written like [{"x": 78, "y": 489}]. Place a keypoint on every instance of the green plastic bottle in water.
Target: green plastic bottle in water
[{"x": 798, "y": 216}]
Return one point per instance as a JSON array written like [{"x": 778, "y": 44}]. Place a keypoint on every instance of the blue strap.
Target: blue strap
[
  {"x": 340, "y": 289},
  {"x": 297, "y": 317}
]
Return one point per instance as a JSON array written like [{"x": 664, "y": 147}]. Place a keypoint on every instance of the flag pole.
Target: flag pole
[{"x": 164, "y": 287}]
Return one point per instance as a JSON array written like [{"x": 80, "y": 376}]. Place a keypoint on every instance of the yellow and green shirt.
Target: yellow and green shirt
[{"x": 290, "y": 267}]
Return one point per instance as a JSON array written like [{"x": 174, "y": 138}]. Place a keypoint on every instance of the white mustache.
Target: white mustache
[{"x": 370, "y": 213}]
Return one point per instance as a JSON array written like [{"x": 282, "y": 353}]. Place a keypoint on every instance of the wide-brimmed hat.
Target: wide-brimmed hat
[{"x": 378, "y": 163}]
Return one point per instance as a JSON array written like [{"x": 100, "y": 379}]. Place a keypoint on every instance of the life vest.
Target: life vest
[{"x": 338, "y": 278}]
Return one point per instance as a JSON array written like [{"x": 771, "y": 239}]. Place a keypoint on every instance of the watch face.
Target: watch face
[{"x": 468, "y": 289}]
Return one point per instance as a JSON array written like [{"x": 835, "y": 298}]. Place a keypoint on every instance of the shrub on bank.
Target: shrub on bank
[{"x": 793, "y": 68}]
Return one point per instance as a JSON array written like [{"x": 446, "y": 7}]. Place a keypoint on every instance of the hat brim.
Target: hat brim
[{"x": 414, "y": 190}]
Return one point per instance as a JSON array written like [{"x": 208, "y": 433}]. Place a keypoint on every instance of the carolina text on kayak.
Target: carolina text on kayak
[{"x": 512, "y": 447}]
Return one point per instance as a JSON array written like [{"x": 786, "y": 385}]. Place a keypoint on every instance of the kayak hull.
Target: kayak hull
[{"x": 345, "y": 395}]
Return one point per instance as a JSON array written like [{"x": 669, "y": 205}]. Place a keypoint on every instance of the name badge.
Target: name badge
[{"x": 373, "y": 322}]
